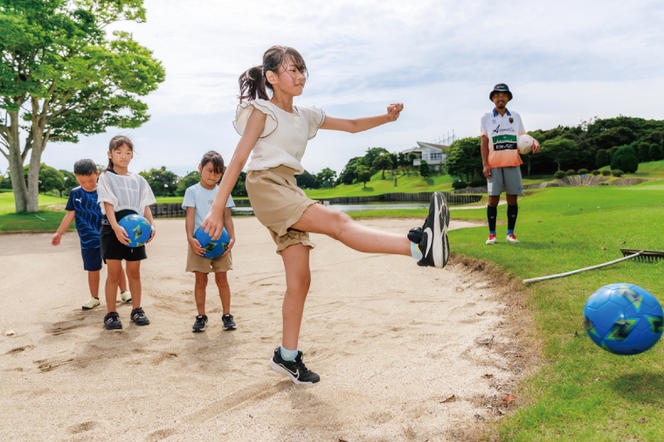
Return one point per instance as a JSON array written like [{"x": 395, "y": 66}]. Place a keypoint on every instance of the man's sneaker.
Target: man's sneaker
[
  {"x": 112, "y": 321},
  {"x": 200, "y": 324},
  {"x": 434, "y": 244},
  {"x": 92, "y": 303},
  {"x": 511, "y": 238},
  {"x": 138, "y": 317},
  {"x": 229, "y": 323},
  {"x": 492, "y": 238},
  {"x": 296, "y": 370},
  {"x": 125, "y": 296}
]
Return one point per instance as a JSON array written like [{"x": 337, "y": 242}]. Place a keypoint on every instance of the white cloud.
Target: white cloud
[{"x": 566, "y": 61}]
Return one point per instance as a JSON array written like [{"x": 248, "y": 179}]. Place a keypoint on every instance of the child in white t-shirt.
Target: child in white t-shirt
[
  {"x": 275, "y": 132},
  {"x": 197, "y": 202},
  {"x": 121, "y": 193}
]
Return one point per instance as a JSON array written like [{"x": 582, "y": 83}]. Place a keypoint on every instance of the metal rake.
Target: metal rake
[{"x": 648, "y": 256}]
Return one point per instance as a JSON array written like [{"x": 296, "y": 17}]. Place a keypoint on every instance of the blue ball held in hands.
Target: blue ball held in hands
[
  {"x": 213, "y": 248},
  {"x": 138, "y": 229}
]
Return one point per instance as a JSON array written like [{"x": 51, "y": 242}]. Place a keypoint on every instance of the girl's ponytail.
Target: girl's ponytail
[{"x": 252, "y": 84}]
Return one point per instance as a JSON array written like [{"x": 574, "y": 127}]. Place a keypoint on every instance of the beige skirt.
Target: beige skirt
[{"x": 278, "y": 203}]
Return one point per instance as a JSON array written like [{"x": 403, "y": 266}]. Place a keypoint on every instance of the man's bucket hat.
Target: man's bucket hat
[{"x": 500, "y": 87}]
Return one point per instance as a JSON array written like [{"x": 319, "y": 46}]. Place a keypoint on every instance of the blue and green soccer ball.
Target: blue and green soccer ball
[
  {"x": 213, "y": 248},
  {"x": 623, "y": 318},
  {"x": 138, "y": 229}
]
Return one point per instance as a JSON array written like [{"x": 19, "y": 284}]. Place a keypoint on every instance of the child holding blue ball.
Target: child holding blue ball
[
  {"x": 197, "y": 202},
  {"x": 121, "y": 193}
]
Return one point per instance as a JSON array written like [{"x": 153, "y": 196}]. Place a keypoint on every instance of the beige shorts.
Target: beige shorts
[
  {"x": 198, "y": 263},
  {"x": 278, "y": 203}
]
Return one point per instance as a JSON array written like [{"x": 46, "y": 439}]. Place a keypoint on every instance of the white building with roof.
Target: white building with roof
[{"x": 433, "y": 154}]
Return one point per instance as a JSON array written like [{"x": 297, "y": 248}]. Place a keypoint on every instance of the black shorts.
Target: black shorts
[{"x": 111, "y": 248}]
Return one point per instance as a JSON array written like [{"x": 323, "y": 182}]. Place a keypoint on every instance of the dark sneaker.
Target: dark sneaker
[
  {"x": 229, "y": 323},
  {"x": 138, "y": 317},
  {"x": 112, "y": 321},
  {"x": 434, "y": 244},
  {"x": 200, "y": 324},
  {"x": 296, "y": 370}
]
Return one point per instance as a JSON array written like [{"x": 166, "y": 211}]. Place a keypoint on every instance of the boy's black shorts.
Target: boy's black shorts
[{"x": 111, "y": 248}]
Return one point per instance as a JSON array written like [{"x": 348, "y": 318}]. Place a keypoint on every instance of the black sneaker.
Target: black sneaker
[
  {"x": 112, "y": 321},
  {"x": 138, "y": 317},
  {"x": 229, "y": 323},
  {"x": 296, "y": 370},
  {"x": 434, "y": 244},
  {"x": 200, "y": 324}
]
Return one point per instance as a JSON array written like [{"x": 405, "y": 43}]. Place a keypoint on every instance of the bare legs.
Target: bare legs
[
  {"x": 338, "y": 225},
  {"x": 298, "y": 278},
  {"x": 113, "y": 282},
  {"x": 93, "y": 283},
  {"x": 224, "y": 291},
  {"x": 495, "y": 199}
]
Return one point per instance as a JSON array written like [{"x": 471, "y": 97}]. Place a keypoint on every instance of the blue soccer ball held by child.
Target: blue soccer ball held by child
[
  {"x": 138, "y": 229},
  {"x": 213, "y": 247}
]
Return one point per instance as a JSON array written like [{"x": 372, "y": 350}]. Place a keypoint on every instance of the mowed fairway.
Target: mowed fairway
[{"x": 581, "y": 393}]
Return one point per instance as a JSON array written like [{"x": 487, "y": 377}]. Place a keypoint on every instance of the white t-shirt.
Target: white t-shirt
[
  {"x": 124, "y": 192},
  {"x": 502, "y": 131},
  {"x": 285, "y": 136},
  {"x": 201, "y": 199}
]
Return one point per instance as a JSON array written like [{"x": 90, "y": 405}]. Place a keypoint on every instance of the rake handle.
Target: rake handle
[{"x": 562, "y": 275}]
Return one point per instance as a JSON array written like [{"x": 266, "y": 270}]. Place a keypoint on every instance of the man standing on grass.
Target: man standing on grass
[{"x": 501, "y": 160}]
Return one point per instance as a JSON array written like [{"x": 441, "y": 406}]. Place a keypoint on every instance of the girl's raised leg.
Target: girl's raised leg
[{"x": 320, "y": 219}]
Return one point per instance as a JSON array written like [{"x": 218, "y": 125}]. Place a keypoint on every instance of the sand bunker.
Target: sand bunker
[{"x": 404, "y": 353}]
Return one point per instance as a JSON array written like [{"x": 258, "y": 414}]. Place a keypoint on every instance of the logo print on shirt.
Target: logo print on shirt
[
  {"x": 78, "y": 200},
  {"x": 497, "y": 129}
]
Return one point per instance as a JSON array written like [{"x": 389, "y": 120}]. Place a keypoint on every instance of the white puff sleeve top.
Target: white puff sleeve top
[{"x": 284, "y": 138}]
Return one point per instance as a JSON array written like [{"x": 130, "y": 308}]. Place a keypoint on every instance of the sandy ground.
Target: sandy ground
[{"x": 404, "y": 353}]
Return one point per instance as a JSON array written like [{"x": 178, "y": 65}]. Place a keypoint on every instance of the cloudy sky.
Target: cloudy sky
[{"x": 566, "y": 62}]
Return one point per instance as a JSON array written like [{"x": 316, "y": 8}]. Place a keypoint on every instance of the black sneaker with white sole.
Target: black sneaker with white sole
[
  {"x": 138, "y": 317},
  {"x": 112, "y": 321},
  {"x": 434, "y": 244},
  {"x": 200, "y": 324},
  {"x": 229, "y": 323},
  {"x": 295, "y": 370}
]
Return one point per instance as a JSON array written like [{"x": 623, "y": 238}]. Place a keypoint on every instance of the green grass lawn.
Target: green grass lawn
[
  {"x": 51, "y": 211},
  {"x": 378, "y": 186},
  {"x": 582, "y": 393}
]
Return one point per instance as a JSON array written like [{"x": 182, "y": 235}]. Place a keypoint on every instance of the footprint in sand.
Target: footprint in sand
[
  {"x": 16, "y": 350},
  {"x": 82, "y": 427},
  {"x": 45, "y": 365}
]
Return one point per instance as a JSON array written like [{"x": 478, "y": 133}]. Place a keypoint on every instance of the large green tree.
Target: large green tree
[
  {"x": 163, "y": 182},
  {"x": 464, "y": 159},
  {"x": 62, "y": 75},
  {"x": 326, "y": 177}
]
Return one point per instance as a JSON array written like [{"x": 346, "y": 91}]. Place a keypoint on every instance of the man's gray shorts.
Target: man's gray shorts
[{"x": 505, "y": 179}]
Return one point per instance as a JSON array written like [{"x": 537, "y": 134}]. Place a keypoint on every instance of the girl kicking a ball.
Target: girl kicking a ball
[{"x": 275, "y": 132}]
